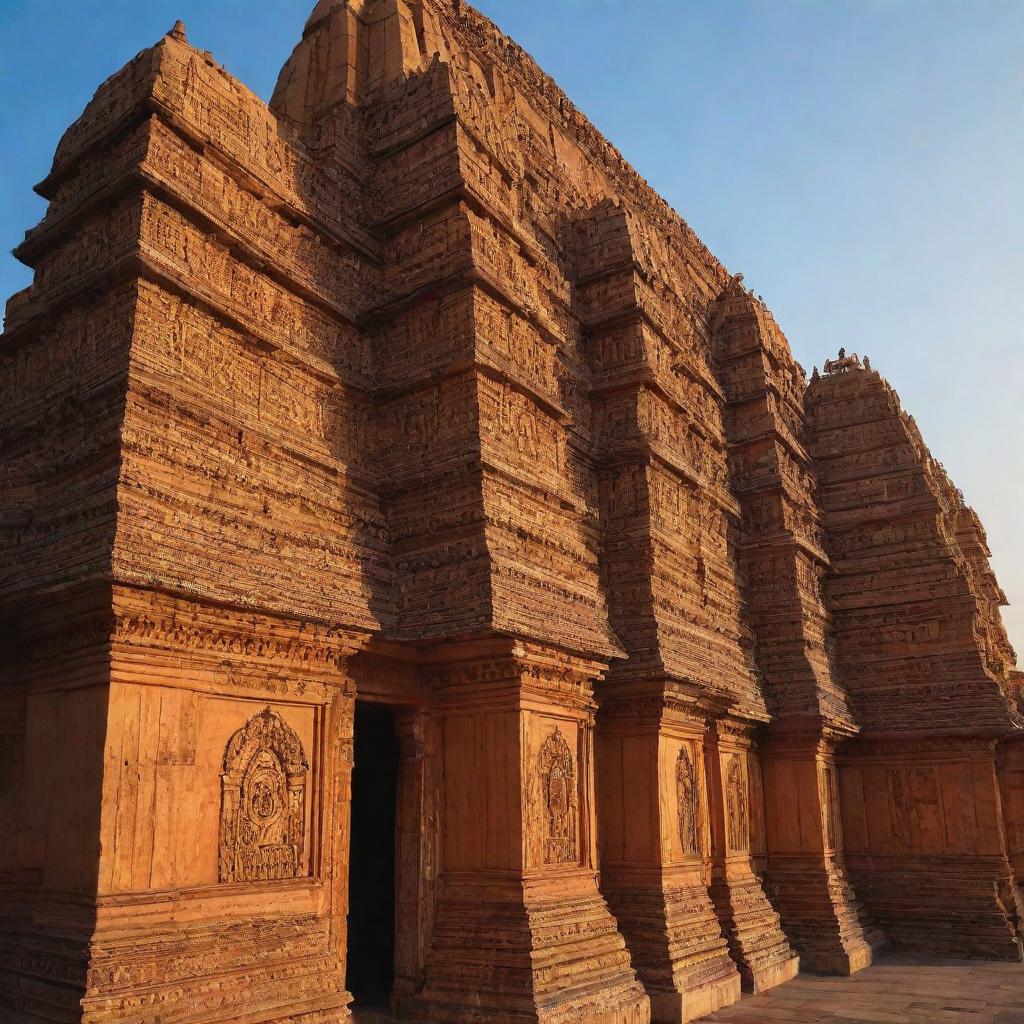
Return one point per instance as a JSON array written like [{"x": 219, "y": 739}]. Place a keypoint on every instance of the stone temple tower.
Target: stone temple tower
[{"x": 427, "y": 579}]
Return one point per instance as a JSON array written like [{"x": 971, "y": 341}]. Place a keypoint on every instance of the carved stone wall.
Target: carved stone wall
[
  {"x": 405, "y": 387},
  {"x": 922, "y": 651}
]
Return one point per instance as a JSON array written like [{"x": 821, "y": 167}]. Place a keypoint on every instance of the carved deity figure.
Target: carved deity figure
[
  {"x": 687, "y": 798},
  {"x": 263, "y": 802},
  {"x": 737, "y": 805},
  {"x": 558, "y": 792}
]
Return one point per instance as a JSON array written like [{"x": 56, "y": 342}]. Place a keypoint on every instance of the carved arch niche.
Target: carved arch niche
[
  {"x": 688, "y": 802},
  {"x": 263, "y": 802},
  {"x": 559, "y": 801}
]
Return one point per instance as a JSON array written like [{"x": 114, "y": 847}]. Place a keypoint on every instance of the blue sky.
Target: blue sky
[{"x": 860, "y": 161}]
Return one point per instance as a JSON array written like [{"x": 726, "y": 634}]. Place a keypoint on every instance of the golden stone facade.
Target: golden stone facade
[{"x": 428, "y": 577}]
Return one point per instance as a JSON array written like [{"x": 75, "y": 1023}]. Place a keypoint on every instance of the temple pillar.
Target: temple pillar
[
  {"x": 756, "y": 939},
  {"x": 785, "y": 565},
  {"x": 808, "y": 879},
  {"x": 1011, "y": 779},
  {"x": 521, "y": 932},
  {"x": 53, "y": 723},
  {"x": 226, "y": 789},
  {"x": 201, "y": 855},
  {"x": 654, "y": 853}
]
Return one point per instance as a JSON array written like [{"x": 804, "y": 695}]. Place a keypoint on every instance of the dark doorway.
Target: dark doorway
[{"x": 371, "y": 875}]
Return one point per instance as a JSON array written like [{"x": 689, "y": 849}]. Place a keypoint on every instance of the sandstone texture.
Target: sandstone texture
[{"x": 404, "y": 396}]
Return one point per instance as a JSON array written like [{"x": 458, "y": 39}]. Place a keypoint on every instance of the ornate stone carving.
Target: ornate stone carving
[
  {"x": 737, "y": 805},
  {"x": 558, "y": 793},
  {"x": 687, "y": 799},
  {"x": 263, "y": 802},
  {"x": 844, "y": 362},
  {"x": 411, "y": 360}
]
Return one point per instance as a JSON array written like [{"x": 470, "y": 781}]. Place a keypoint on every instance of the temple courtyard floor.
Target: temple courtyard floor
[{"x": 895, "y": 990}]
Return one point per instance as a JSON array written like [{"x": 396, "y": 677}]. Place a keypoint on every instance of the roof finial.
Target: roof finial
[{"x": 178, "y": 32}]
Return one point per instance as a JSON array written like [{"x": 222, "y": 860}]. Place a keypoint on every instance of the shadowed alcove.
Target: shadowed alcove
[{"x": 371, "y": 916}]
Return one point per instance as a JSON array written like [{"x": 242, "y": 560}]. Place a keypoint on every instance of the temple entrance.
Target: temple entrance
[{"x": 371, "y": 880}]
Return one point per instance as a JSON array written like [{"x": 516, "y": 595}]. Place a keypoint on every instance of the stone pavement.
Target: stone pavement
[{"x": 896, "y": 990}]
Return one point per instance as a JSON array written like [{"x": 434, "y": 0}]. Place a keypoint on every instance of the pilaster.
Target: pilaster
[
  {"x": 656, "y": 849},
  {"x": 783, "y": 560},
  {"x": 521, "y": 931},
  {"x": 807, "y": 874},
  {"x": 756, "y": 939}
]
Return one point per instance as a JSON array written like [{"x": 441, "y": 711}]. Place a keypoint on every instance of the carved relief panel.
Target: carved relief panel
[
  {"x": 737, "y": 805},
  {"x": 688, "y": 802},
  {"x": 559, "y": 801},
  {"x": 263, "y": 802}
]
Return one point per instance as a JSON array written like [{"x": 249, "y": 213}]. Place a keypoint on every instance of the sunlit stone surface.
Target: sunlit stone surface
[{"x": 399, "y": 424}]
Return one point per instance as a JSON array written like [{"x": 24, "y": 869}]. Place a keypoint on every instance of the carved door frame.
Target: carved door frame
[{"x": 416, "y": 844}]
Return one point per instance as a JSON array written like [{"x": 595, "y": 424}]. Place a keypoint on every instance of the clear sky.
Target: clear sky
[{"x": 860, "y": 161}]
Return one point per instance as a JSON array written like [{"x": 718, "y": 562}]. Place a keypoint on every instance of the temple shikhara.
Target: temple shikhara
[{"x": 428, "y": 580}]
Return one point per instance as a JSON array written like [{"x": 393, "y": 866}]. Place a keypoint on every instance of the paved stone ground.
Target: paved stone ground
[{"x": 896, "y": 990}]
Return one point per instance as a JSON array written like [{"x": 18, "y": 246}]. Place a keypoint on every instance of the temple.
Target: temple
[{"x": 428, "y": 581}]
